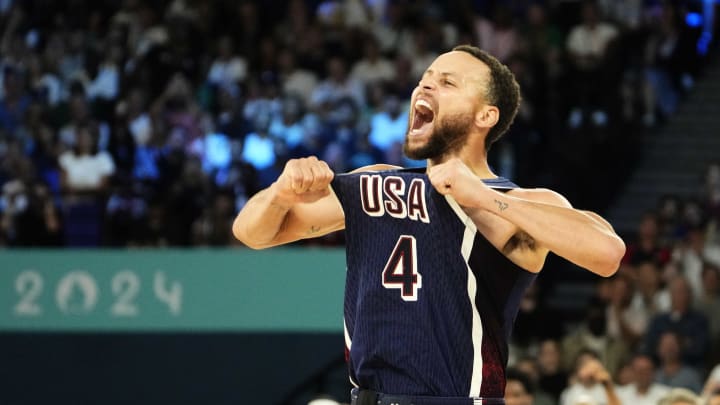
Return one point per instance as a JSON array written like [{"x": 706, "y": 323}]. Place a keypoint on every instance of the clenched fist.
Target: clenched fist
[
  {"x": 303, "y": 180},
  {"x": 454, "y": 178}
]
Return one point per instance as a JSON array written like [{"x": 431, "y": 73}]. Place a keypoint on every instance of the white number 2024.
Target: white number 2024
[{"x": 125, "y": 287}]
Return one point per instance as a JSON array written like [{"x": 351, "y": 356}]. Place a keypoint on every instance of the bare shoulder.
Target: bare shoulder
[
  {"x": 543, "y": 195},
  {"x": 376, "y": 168}
]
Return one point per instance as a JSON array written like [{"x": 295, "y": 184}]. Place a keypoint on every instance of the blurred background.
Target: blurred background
[{"x": 132, "y": 132}]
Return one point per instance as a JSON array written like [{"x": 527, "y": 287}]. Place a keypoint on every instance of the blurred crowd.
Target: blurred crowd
[
  {"x": 650, "y": 334},
  {"x": 150, "y": 123}
]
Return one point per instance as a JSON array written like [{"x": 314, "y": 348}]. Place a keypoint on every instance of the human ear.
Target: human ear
[{"x": 487, "y": 117}]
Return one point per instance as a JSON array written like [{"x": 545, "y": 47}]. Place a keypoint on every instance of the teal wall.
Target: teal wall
[{"x": 236, "y": 290}]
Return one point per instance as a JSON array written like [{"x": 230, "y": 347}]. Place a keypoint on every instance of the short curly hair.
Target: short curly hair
[{"x": 503, "y": 91}]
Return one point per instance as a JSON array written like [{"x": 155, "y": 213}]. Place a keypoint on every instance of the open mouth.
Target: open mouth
[{"x": 422, "y": 118}]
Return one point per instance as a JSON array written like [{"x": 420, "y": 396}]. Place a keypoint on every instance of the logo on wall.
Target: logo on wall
[{"x": 77, "y": 293}]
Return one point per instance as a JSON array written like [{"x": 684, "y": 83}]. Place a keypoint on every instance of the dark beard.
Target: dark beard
[{"x": 448, "y": 136}]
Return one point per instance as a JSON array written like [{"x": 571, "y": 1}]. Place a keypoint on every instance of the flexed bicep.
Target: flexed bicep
[{"x": 299, "y": 204}]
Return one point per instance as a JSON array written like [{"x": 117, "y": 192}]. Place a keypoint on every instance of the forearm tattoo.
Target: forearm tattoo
[
  {"x": 502, "y": 206},
  {"x": 313, "y": 230}
]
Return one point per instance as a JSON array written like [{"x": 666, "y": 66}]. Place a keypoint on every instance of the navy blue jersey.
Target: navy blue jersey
[{"x": 429, "y": 302}]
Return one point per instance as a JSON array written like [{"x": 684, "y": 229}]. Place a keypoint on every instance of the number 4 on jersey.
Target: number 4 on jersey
[{"x": 401, "y": 269}]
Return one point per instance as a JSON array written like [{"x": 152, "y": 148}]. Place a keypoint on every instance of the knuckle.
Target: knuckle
[{"x": 296, "y": 176}]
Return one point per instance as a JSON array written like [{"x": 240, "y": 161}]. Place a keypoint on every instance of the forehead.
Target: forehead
[
  {"x": 516, "y": 387},
  {"x": 460, "y": 64},
  {"x": 642, "y": 362}
]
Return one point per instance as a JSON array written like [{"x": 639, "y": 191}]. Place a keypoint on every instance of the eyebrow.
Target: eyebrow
[{"x": 445, "y": 74}]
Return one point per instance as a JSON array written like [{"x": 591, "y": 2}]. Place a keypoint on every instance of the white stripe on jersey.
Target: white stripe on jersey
[
  {"x": 348, "y": 341},
  {"x": 348, "y": 344},
  {"x": 477, "y": 329}
]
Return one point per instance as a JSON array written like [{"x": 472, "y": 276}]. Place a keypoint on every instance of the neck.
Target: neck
[
  {"x": 671, "y": 366},
  {"x": 479, "y": 168},
  {"x": 472, "y": 155}
]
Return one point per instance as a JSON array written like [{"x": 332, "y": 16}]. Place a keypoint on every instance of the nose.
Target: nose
[{"x": 426, "y": 83}]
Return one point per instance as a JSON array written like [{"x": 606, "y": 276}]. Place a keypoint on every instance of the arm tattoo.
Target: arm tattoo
[
  {"x": 313, "y": 230},
  {"x": 501, "y": 205}
]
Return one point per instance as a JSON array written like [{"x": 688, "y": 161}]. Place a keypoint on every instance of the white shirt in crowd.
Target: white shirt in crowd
[
  {"x": 86, "y": 172},
  {"x": 300, "y": 82},
  {"x": 585, "y": 41},
  {"x": 578, "y": 394},
  {"x": 635, "y": 317},
  {"x": 692, "y": 264},
  {"x": 141, "y": 129},
  {"x": 227, "y": 72},
  {"x": 371, "y": 72},
  {"x": 106, "y": 85},
  {"x": 628, "y": 394},
  {"x": 660, "y": 303}
]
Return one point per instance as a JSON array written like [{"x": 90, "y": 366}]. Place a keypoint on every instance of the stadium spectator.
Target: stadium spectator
[
  {"x": 15, "y": 100},
  {"x": 647, "y": 245},
  {"x": 624, "y": 321},
  {"x": 692, "y": 253},
  {"x": 519, "y": 389},
  {"x": 691, "y": 325},
  {"x": 591, "y": 383},
  {"x": 649, "y": 295},
  {"x": 389, "y": 124},
  {"x": 553, "y": 378},
  {"x": 591, "y": 337},
  {"x": 373, "y": 67},
  {"x": 228, "y": 68},
  {"x": 588, "y": 45},
  {"x": 296, "y": 80},
  {"x": 28, "y": 214},
  {"x": 642, "y": 390},
  {"x": 498, "y": 34},
  {"x": 528, "y": 365},
  {"x": 85, "y": 178},
  {"x": 708, "y": 301},
  {"x": 336, "y": 86},
  {"x": 260, "y": 150},
  {"x": 669, "y": 64},
  {"x": 672, "y": 371}
]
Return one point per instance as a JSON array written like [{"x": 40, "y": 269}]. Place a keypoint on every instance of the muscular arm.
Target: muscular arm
[
  {"x": 581, "y": 237},
  {"x": 545, "y": 221},
  {"x": 300, "y": 204},
  {"x": 267, "y": 221}
]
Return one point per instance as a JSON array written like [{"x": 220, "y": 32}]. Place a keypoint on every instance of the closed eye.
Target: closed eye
[{"x": 447, "y": 82}]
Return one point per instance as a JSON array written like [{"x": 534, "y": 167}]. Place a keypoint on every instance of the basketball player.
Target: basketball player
[{"x": 437, "y": 259}]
